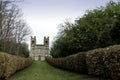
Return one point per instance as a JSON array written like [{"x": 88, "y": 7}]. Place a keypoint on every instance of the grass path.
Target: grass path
[{"x": 43, "y": 71}]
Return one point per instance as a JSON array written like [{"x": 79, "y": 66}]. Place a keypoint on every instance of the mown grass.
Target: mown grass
[{"x": 43, "y": 71}]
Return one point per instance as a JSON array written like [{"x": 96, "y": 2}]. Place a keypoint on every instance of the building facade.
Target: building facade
[{"x": 39, "y": 51}]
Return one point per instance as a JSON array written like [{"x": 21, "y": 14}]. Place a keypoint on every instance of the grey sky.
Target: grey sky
[{"x": 44, "y": 16}]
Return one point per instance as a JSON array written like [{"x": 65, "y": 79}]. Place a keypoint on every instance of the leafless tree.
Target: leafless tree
[
  {"x": 13, "y": 29},
  {"x": 21, "y": 31}
]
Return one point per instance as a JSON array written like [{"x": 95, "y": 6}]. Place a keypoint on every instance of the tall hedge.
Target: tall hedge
[
  {"x": 9, "y": 64},
  {"x": 74, "y": 62},
  {"x": 104, "y": 62}
]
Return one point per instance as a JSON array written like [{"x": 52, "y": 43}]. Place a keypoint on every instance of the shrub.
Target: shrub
[
  {"x": 9, "y": 64},
  {"x": 73, "y": 62},
  {"x": 104, "y": 62}
]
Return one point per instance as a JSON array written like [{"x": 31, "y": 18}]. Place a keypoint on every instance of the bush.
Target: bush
[
  {"x": 73, "y": 62},
  {"x": 104, "y": 62},
  {"x": 94, "y": 61},
  {"x": 9, "y": 64}
]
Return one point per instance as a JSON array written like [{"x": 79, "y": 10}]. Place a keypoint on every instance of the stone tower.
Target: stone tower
[
  {"x": 39, "y": 51},
  {"x": 46, "y": 41},
  {"x": 33, "y": 42}
]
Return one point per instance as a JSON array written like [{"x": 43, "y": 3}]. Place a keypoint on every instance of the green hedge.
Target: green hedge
[
  {"x": 104, "y": 62},
  {"x": 9, "y": 64}
]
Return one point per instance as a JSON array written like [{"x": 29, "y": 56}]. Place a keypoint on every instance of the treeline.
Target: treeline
[
  {"x": 96, "y": 28},
  {"x": 13, "y": 29}
]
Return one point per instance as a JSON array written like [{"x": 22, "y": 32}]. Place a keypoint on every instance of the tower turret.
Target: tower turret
[
  {"x": 33, "y": 41},
  {"x": 46, "y": 41}
]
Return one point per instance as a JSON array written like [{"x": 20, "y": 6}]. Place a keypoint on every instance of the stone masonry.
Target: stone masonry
[{"x": 39, "y": 51}]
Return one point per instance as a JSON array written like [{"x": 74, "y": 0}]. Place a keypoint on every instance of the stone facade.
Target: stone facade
[{"x": 39, "y": 51}]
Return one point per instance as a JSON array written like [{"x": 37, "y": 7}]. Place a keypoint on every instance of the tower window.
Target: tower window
[
  {"x": 46, "y": 42},
  {"x": 32, "y": 42},
  {"x": 39, "y": 50}
]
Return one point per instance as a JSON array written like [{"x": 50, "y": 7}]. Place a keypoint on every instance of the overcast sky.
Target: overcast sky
[{"x": 44, "y": 16}]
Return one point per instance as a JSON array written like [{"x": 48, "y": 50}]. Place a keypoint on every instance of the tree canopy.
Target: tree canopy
[{"x": 97, "y": 28}]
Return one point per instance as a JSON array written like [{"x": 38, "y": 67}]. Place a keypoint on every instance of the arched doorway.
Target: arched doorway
[{"x": 39, "y": 57}]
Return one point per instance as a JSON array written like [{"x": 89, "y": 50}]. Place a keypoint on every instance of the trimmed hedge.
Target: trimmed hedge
[
  {"x": 9, "y": 64},
  {"x": 73, "y": 62},
  {"x": 104, "y": 62}
]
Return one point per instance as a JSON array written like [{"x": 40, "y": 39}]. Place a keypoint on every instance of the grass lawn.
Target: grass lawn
[{"x": 43, "y": 71}]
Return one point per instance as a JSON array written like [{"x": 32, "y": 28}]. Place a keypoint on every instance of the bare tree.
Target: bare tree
[
  {"x": 13, "y": 29},
  {"x": 21, "y": 31}
]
